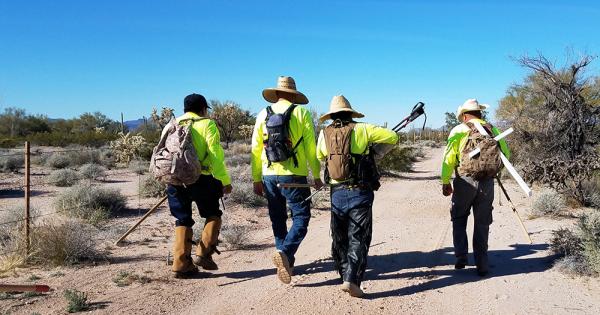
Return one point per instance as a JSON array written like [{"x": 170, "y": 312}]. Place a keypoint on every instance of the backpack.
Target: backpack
[
  {"x": 278, "y": 145},
  {"x": 174, "y": 160},
  {"x": 340, "y": 165},
  {"x": 487, "y": 163}
]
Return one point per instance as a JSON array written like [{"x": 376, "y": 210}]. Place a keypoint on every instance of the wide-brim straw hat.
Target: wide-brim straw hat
[
  {"x": 469, "y": 105},
  {"x": 284, "y": 84},
  {"x": 340, "y": 104}
]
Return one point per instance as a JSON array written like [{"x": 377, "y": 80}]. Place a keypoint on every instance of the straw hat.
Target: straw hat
[
  {"x": 469, "y": 106},
  {"x": 340, "y": 104},
  {"x": 284, "y": 84}
]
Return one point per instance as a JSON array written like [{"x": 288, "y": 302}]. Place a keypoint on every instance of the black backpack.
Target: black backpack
[{"x": 278, "y": 146}]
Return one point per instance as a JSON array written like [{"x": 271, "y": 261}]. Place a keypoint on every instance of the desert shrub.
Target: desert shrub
[
  {"x": 565, "y": 242},
  {"x": 240, "y": 148},
  {"x": 83, "y": 155},
  {"x": 139, "y": 167},
  {"x": 150, "y": 187},
  {"x": 548, "y": 202},
  {"x": 92, "y": 171},
  {"x": 243, "y": 191},
  {"x": 107, "y": 158},
  {"x": 39, "y": 158},
  {"x": 575, "y": 265},
  {"x": 399, "y": 159},
  {"x": 64, "y": 243},
  {"x": 58, "y": 161},
  {"x": 77, "y": 301},
  {"x": 590, "y": 234},
  {"x": 11, "y": 164},
  {"x": 63, "y": 177},
  {"x": 126, "y": 278},
  {"x": 235, "y": 236},
  {"x": 591, "y": 192},
  {"x": 237, "y": 160},
  {"x": 91, "y": 203}
]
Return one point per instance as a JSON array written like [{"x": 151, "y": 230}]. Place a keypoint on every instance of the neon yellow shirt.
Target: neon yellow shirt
[
  {"x": 456, "y": 143},
  {"x": 361, "y": 137},
  {"x": 301, "y": 126},
  {"x": 207, "y": 142}
]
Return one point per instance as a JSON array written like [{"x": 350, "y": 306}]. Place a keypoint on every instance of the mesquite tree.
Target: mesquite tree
[
  {"x": 229, "y": 117},
  {"x": 556, "y": 116}
]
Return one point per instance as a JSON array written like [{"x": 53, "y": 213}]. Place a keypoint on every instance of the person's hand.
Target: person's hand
[
  {"x": 227, "y": 189},
  {"x": 447, "y": 189},
  {"x": 258, "y": 189},
  {"x": 318, "y": 183}
]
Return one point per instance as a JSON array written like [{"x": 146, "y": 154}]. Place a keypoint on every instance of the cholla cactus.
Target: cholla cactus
[
  {"x": 163, "y": 118},
  {"x": 246, "y": 131},
  {"x": 126, "y": 147}
]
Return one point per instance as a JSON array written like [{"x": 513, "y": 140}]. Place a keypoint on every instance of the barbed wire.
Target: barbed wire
[{"x": 30, "y": 218}]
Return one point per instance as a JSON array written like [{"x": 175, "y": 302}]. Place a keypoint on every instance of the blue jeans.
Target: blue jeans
[
  {"x": 279, "y": 199},
  {"x": 351, "y": 230}
]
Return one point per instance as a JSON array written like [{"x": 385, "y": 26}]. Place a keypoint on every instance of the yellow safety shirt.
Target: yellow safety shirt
[
  {"x": 300, "y": 126},
  {"x": 207, "y": 142}
]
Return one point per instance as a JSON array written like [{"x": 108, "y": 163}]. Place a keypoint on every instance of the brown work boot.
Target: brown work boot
[
  {"x": 353, "y": 289},
  {"x": 284, "y": 270},
  {"x": 183, "y": 267},
  {"x": 207, "y": 245}
]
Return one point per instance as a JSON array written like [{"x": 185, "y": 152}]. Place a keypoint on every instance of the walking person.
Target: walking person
[
  {"x": 344, "y": 146},
  {"x": 283, "y": 152},
  {"x": 473, "y": 184},
  {"x": 212, "y": 184}
]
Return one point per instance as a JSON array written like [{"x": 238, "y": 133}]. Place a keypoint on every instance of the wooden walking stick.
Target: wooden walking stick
[
  {"x": 141, "y": 220},
  {"x": 514, "y": 209},
  {"x": 24, "y": 288}
]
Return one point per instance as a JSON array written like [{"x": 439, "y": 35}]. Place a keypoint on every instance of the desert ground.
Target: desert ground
[{"x": 410, "y": 265}]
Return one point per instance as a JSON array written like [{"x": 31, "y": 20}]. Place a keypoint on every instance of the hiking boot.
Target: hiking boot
[
  {"x": 461, "y": 262},
  {"x": 207, "y": 245},
  {"x": 353, "y": 289},
  {"x": 482, "y": 271},
  {"x": 183, "y": 267},
  {"x": 284, "y": 271}
]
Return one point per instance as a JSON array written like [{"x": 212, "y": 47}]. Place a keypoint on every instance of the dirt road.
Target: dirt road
[{"x": 410, "y": 268}]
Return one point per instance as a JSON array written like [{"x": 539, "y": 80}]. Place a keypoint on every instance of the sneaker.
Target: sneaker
[
  {"x": 353, "y": 289},
  {"x": 461, "y": 262},
  {"x": 284, "y": 271}
]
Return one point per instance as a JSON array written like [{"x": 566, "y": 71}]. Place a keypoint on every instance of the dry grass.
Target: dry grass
[{"x": 235, "y": 236}]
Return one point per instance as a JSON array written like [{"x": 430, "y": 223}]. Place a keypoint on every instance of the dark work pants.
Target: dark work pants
[
  {"x": 279, "y": 200},
  {"x": 205, "y": 192},
  {"x": 479, "y": 195},
  {"x": 351, "y": 231}
]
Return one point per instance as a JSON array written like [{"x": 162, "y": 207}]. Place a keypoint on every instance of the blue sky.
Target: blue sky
[{"x": 63, "y": 58}]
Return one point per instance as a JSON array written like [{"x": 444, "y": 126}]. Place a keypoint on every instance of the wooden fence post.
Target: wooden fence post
[{"x": 27, "y": 195}]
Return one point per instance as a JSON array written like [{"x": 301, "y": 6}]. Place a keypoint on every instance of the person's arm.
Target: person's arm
[
  {"x": 321, "y": 147},
  {"x": 215, "y": 154},
  {"x": 257, "y": 150},
  {"x": 310, "y": 147},
  {"x": 503, "y": 146},
  {"x": 450, "y": 159},
  {"x": 382, "y": 135}
]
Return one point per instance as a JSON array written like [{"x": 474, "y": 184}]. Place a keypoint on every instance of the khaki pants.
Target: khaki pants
[{"x": 479, "y": 195}]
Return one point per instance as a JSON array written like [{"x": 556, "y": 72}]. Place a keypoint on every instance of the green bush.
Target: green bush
[
  {"x": 399, "y": 159},
  {"x": 77, "y": 301},
  {"x": 63, "y": 177},
  {"x": 549, "y": 202},
  {"x": 150, "y": 187},
  {"x": 92, "y": 171},
  {"x": 11, "y": 164},
  {"x": 590, "y": 234},
  {"x": 83, "y": 156},
  {"x": 91, "y": 203},
  {"x": 58, "y": 161}
]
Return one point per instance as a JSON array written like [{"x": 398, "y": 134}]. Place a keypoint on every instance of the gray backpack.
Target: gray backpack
[{"x": 174, "y": 160}]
